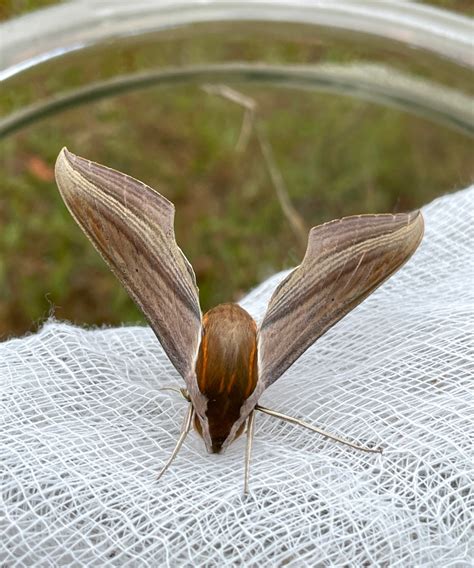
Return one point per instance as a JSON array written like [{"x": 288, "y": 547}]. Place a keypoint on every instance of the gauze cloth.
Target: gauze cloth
[{"x": 85, "y": 430}]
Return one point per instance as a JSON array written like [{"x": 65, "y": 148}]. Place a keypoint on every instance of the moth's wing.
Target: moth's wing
[
  {"x": 131, "y": 225},
  {"x": 345, "y": 261}
]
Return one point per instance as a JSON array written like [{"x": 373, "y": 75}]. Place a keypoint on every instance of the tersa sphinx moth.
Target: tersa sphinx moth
[{"x": 224, "y": 357}]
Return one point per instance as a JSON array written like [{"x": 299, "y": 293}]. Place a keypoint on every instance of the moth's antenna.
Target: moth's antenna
[
  {"x": 188, "y": 421},
  {"x": 248, "y": 450},
  {"x": 314, "y": 429}
]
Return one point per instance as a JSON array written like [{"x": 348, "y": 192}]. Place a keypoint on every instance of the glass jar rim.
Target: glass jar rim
[{"x": 70, "y": 26}]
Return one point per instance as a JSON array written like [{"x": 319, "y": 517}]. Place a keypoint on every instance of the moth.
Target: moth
[{"x": 224, "y": 357}]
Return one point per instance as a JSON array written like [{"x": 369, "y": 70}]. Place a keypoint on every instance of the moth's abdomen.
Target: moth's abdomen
[{"x": 226, "y": 367}]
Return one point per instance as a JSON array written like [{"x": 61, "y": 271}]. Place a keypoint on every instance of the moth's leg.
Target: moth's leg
[
  {"x": 248, "y": 450},
  {"x": 315, "y": 429},
  {"x": 183, "y": 392},
  {"x": 175, "y": 389},
  {"x": 184, "y": 432}
]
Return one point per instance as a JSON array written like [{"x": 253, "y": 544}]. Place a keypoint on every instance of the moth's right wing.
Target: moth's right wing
[
  {"x": 131, "y": 225},
  {"x": 346, "y": 260}
]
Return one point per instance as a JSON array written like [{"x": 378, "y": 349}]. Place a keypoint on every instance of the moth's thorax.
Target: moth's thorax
[{"x": 226, "y": 367}]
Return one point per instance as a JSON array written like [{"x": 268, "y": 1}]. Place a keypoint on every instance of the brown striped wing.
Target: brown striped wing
[
  {"x": 131, "y": 226},
  {"x": 345, "y": 261}
]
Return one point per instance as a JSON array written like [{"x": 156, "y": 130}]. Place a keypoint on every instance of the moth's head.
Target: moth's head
[{"x": 219, "y": 440}]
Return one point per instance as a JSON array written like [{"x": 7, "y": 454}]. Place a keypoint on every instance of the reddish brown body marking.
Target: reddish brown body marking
[{"x": 226, "y": 367}]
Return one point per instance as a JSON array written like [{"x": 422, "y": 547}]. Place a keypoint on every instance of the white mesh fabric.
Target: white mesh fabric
[{"x": 85, "y": 430}]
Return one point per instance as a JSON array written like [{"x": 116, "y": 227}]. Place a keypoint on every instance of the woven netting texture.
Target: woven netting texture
[{"x": 85, "y": 429}]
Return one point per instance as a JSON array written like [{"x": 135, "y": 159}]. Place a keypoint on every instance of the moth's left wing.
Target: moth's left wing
[
  {"x": 345, "y": 261},
  {"x": 131, "y": 225}
]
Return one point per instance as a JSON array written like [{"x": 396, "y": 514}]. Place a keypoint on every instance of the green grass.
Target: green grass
[{"x": 338, "y": 156}]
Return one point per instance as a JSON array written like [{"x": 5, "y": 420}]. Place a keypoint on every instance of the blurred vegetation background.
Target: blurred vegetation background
[{"x": 229, "y": 220}]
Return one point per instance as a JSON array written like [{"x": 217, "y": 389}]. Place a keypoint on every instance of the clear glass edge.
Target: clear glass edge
[{"x": 73, "y": 25}]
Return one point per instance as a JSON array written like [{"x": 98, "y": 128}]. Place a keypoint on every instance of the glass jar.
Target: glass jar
[{"x": 258, "y": 119}]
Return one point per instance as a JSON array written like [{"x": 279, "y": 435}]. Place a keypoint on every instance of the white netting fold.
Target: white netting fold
[{"x": 84, "y": 431}]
